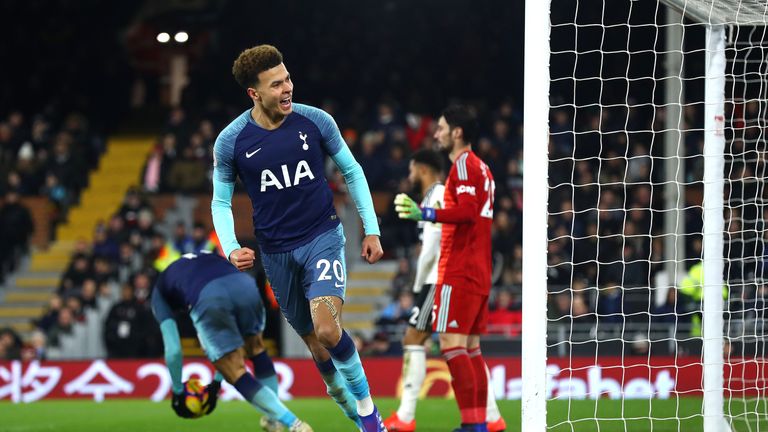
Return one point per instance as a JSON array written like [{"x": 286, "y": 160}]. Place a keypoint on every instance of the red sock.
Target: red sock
[
  {"x": 481, "y": 383},
  {"x": 463, "y": 383}
]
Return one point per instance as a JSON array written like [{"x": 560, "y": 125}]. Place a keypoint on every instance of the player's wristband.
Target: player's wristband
[{"x": 428, "y": 214}]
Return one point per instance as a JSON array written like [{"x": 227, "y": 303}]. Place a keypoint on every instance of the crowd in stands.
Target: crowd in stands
[
  {"x": 182, "y": 158},
  {"x": 110, "y": 279},
  {"x": 47, "y": 155},
  {"x": 599, "y": 229},
  {"x": 114, "y": 274}
]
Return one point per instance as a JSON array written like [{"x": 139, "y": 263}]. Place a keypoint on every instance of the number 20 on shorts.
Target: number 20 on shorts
[{"x": 338, "y": 270}]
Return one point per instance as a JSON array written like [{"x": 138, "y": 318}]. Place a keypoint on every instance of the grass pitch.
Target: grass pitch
[{"x": 438, "y": 415}]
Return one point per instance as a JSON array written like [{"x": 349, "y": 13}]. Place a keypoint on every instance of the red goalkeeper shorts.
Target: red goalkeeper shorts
[{"x": 459, "y": 311}]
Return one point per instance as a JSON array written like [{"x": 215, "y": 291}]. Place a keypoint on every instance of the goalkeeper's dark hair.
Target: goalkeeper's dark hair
[
  {"x": 429, "y": 158},
  {"x": 457, "y": 115},
  {"x": 253, "y": 61}
]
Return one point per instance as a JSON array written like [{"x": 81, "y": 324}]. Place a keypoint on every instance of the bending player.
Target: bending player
[
  {"x": 425, "y": 172},
  {"x": 227, "y": 312},
  {"x": 464, "y": 268},
  {"x": 278, "y": 149}
]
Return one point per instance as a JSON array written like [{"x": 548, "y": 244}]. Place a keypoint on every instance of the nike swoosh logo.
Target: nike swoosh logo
[
  {"x": 339, "y": 285},
  {"x": 248, "y": 155}
]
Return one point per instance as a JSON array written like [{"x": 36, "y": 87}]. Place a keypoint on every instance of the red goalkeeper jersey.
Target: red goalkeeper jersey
[{"x": 465, "y": 249}]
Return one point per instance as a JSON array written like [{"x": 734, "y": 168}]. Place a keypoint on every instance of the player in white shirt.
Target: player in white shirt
[{"x": 426, "y": 173}]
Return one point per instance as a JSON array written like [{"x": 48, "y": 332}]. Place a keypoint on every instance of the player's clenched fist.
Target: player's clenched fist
[
  {"x": 242, "y": 258},
  {"x": 407, "y": 208},
  {"x": 372, "y": 250}
]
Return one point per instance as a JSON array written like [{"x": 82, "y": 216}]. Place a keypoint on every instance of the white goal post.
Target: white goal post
[{"x": 705, "y": 152}]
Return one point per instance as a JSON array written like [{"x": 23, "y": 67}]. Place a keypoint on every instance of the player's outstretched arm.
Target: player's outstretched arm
[
  {"x": 170, "y": 332},
  {"x": 358, "y": 189},
  {"x": 221, "y": 204},
  {"x": 172, "y": 344},
  {"x": 465, "y": 211},
  {"x": 224, "y": 223},
  {"x": 221, "y": 213},
  {"x": 361, "y": 195}
]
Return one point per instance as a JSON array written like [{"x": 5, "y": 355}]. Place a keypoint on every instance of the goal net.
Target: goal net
[{"x": 655, "y": 217}]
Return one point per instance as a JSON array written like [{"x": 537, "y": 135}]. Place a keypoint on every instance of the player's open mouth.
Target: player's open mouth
[{"x": 285, "y": 103}]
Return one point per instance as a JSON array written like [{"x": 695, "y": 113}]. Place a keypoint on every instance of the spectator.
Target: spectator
[
  {"x": 51, "y": 316},
  {"x": 199, "y": 237},
  {"x": 153, "y": 170},
  {"x": 188, "y": 174},
  {"x": 59, "y": 197},
  {"x": 78, "y": 271},
  {"x": 124, "y": 328},
  {"x": 380, "y": 346},
  {"x": 117, "y": 231},
  {"x": 181, "y": 240},
  {"x": 505, "y": 317},
  {"x": 10, "y": 345},
  {"x": 403, "y": 278},
  {"x": 102, "y": 270},
  {"x": 69, "y": 168},
  {"x": 142, "y": 287},
  {"x": 671, "y": 311},
  {"x": 29, "y": 171},
  {"x": 35, "y": 347},
  {"x": 16, "y": 227},
  {"x": 104, "y": 245},
  {"x": 418, "y": 130},
  {"x": 63, "y": 326},
  {"x": 370, "y": 161},
  {"x": 88, "y": 294},
  {"x": 609, "y": 304},
  {"x": 128, "y": 264},
  {"x": 74, "y": 304},
  {"x": 398, "y": 311},
  {"x": 132, "y": 205},
  {"x": 145, "y": 225}
]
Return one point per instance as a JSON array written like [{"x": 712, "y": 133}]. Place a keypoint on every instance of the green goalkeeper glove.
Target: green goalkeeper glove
[{"x": 407, "y": 208}]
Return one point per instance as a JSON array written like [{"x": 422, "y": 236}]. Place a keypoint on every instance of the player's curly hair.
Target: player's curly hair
[
  {"x": 429, "y": 158},
  {"x": 253, "y": 61}
]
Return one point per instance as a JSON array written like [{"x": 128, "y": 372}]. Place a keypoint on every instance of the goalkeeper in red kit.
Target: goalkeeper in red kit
[{"x": 464, "y": 269}]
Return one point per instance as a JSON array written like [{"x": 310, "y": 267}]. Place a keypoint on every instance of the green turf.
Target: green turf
[{"x": 437, "y": 415}]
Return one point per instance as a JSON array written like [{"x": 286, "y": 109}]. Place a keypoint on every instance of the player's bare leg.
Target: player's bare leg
[
  {"x": 326, "y": 318},
  {"x": 232, "y": 367}
]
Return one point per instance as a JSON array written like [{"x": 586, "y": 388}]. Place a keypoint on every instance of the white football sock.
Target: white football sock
[
  {"x": 414, "y": 371},
  {"x": 365, "y": 407},
  {"x": 492, "y": 410}
]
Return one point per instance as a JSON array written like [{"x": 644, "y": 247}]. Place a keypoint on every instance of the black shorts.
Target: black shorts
[{"x": 421, "y": 312}]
